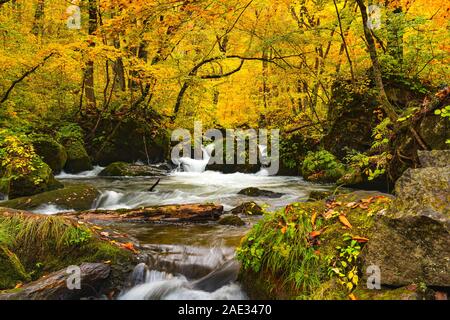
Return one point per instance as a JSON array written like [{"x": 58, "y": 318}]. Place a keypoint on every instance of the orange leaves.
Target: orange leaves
[
  {"x": 129, "y": 246},
  {"x": 360, "y": 239},
  {"x": 313, "y": 219},
  {"x": 343, "y": 219},
  {"x": 315, "y": 234}
]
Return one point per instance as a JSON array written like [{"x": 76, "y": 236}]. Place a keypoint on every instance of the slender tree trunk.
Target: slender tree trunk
[
  {"x": 38, "y": 24},
  {"x": 89, "y": 70},
  {"x": 382, "y": 97}
]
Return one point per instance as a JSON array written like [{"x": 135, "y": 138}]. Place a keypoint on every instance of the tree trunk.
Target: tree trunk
[
  {"x": 89, "y": 71},
  {"x": 38, "y": 24},
  {"x": 382, "y": 97}
]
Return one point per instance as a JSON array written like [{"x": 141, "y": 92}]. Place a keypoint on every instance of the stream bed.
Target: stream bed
[{"x": 189, "y": 261}]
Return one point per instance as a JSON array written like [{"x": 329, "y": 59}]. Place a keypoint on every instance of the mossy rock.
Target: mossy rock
[
  {"x": 255, "y": 192},
  {"x": 51, "y": 152},
  {"x": 274, "y": 251},
  {"x": 75, "y": 196},
  {"x": 78, "y": 159},
  {"x": 403, "y": 293},
  {"x": 40, "y": 180},
  {"x": 50, "y": 243},
  {"x": 4, "y": 188},
  {"x": 231, "y": 220},
  {"x": 123, "y": 169},
  {"x": 12, "y": 271},
  {"x": 248, "y": 208}
]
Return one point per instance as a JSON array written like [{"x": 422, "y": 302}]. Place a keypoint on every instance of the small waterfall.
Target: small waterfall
[
  {"x": 196, "y": 165},
  {"x": 176, "y": 272}
]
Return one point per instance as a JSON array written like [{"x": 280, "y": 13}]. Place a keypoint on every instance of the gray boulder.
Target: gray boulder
[{"x": 410, "y": 242}]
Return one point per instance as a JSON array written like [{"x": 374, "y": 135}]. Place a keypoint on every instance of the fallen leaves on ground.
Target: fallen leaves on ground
[
  {"x": 343, "y": 219},
  {"x": 360, "y": 239}
]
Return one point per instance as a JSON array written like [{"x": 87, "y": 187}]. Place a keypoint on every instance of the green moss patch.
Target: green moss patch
[
  {"x": 43, "y": 244},
  {"x": 76, "y": 196},
  {"x": 299, "y": 247}
]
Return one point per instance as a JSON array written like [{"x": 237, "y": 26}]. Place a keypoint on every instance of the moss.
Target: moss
[
  {"x": 403, "y": 293},
  {"x": 78, "y": 159},
  {"x": 282, "y": 246},
  {"x": 77, "y": 197},
  {"x": 116, "y": 169},
  {"x": 11, "y": 269},
  {"x": 231, "y": 220},
  {"x": 51, "y": 152},
  {"x": 49, "y": 243},
  {"x": 40, "y": 180},
  {"x": 4, "y": 186}
]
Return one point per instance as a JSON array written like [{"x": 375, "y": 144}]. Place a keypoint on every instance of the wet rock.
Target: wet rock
[
  {"x": 231, "y": 220},
  {"x": 411, "y": 241},
  {"x": 11, "y": 269},
  {"x": 38, "y": 181},
  {"x": 122, "y": 169},
  {"x": 248, "y": 208},
  {"x": 255, "y": 192},
  {"x": 155, "y": 214},
  {"x": 403, "y": 293},
  {"x": 54, "y": 286},
  {"x": 434, "y": 158},
  {"x": 78, "y": 159},
  {"x": 76, "y": 197},
  {"x": 51, "y": 152}
]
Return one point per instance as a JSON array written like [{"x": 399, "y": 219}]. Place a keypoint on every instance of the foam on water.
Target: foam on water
[{"x": 86, "y": 174}]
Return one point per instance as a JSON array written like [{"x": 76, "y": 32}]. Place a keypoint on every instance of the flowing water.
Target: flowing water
[{"x": 187, "y": 261}]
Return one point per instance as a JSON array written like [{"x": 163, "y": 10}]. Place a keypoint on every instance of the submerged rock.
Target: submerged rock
[
  {"x": 51, "y": 152},
  {"x": 122, "y": 169},
  {"x": 76, "y": 197},
  {"x": 55, "y": 285},
  {"x": 248, "y": 208},
  {"x": 231, "y": 220},
  {"x": 411, "y": 241},
  {"x": 255, "y": 192}
]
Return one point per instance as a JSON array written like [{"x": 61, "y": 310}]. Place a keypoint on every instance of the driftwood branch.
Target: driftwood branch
[{"x": 154, "y": 185}]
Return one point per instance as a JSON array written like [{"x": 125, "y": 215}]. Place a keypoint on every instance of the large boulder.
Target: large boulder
[
  {"x": 133, "y": 140},
  {"x": 50, "y": 151},
  {"x": 78, "y": 159},
  {"x": 76, "y": 197},
  {"x": 39, "y": 180},
  {"x": 122, "y": 169},
  {"x": 411, "y": 241}
]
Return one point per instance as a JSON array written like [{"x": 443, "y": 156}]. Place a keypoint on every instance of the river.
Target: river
[{"x": 188, "y": 261}]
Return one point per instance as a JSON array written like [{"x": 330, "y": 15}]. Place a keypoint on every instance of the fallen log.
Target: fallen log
[
  {"x": 154, "y": 214},
  {"x": 55, "y": 285}
]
